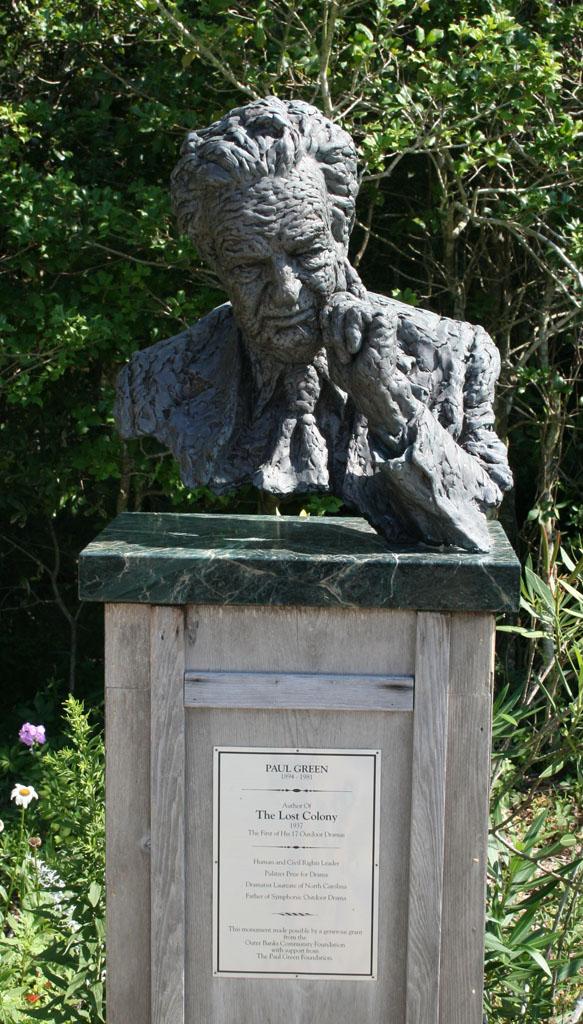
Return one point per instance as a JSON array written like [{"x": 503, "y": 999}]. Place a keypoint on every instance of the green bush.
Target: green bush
[
  {"x": 52, "y": 913},
  {"x": 535, "y": 927}
]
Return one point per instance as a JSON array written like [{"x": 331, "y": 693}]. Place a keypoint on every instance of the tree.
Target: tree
[{"x": 467, "y": 125}]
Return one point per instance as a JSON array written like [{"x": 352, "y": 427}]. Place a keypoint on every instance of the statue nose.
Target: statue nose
[{"x": 288, "y": 284}]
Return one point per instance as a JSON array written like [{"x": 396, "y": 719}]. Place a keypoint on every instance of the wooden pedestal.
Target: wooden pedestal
[{"x": 181, "y": 679}]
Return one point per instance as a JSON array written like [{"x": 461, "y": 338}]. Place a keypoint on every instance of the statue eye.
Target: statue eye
[
  {"x": 313, "y": 256},
  {"x": 247, "y": 270}
]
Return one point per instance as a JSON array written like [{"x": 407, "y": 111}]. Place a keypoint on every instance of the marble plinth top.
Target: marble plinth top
[{"x": 172, "y": 558}]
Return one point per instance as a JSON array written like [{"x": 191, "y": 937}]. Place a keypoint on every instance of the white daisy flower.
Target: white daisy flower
[
  {"x": 22, "y": 795},
  {"x": 1, "y": 825}
]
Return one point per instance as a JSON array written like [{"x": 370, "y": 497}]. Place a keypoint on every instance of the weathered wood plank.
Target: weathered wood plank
[
  {"x": 466, "y": 818},
  {"x": 127, "y": 657},
  {"x": 298, "y": 690},
  {"x": 167, "y": 789},
  {"x": 299, "y": 639},
  {"x": 427, "y": 818},
  {"x": 127, "y": 711}
]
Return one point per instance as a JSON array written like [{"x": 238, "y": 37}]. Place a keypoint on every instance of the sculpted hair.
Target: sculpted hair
[{"x": 265, "y": 138}]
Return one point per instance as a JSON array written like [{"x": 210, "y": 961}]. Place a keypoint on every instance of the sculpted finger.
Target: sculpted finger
[
  {"x": 383, "y": 336},
  {"x": 363, "y": 318},
  {"x": 337, "y": 326},
  {"x": 337, "y": 301},
  {"x": 337, "y": 319},
  {"x": 328, "y": 323},
  {"x": 353, "y": 332}
]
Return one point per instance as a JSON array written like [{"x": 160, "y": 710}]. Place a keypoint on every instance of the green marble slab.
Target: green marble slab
[{"x": 171, "y": 558}]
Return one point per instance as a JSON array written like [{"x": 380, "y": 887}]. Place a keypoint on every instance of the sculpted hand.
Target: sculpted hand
[
  {"x": 344, "y": 322},
  {"x": 362, "y": 356}
]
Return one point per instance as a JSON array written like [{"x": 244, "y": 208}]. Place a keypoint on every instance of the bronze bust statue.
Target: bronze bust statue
[{"x": 305, "y": 381}]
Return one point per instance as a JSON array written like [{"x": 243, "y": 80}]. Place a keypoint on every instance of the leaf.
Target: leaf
[
  {"x": 493, "y": 943},
  {"x": 571, "y": 590},
  {"x": 435, "y": 36},
  {"x": 364, "y": 29},
  {"x": 523, "y": 927},
  {"x": 507, "y": 718},
  {"x": 534, "y": 830},
  {"x": 531, "y": 634},
  {"x": 539, "y": 587},
  {"x": 567, "y": 560},
  {"x": 540, "y": 960},
  {"x": 551, "y": 769},
  {"x": 94, "y": 894}
]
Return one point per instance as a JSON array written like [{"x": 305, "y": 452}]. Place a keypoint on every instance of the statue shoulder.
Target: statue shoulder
[
  {"x": 172, "y": 371},
  {"x": 453, "y": 367},
  {"x": 447, "y": 346}
]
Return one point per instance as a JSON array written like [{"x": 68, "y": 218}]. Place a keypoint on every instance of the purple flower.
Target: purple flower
[
  {"x": 27, "y": 734},
  {"x": 31, "y": 734}
]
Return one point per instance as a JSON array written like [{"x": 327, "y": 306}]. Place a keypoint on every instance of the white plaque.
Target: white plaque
[{"x": 296, "y": 839}]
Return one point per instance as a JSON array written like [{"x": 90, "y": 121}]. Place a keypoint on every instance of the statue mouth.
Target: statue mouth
[{"x": 293, "y": 320}]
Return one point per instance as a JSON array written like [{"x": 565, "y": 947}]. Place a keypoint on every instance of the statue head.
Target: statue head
[{"x": 268, "y": 195}]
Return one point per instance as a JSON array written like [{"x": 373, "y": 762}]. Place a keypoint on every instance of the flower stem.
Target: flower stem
[
  {"x": 17, "y": 861},
  {"x": 36, "y": 877}
]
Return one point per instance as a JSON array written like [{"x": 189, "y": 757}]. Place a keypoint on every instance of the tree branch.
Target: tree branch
[
  {"x": 519, "y": 233},
  {"x": 330, "y": 15},
  {"x": 203, "y": 51},
  {"x": 533, "y": 860}
]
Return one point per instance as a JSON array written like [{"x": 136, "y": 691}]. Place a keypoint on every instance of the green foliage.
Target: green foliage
[
  {"x": 553, "y": 693},
  {"x": 535, "y": 926},
  {"x": 71, "y": 795},
  {"x": 18, "y": 979},
  {"x": 533, "y": 938},
  {"x": 52, "y": 923}
]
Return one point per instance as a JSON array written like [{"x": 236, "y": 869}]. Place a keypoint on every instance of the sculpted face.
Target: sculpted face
[{"x": 278, "y": 261}]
